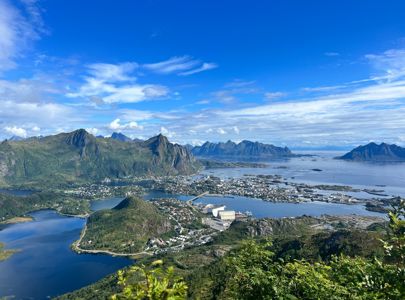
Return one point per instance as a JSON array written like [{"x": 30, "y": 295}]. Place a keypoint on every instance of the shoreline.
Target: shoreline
[
  {"x": 76, "y": 248},
  {"x": 17, "y": 220}
]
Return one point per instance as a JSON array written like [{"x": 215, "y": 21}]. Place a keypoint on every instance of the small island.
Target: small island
[
  {"x": 5, "y": 254},
  {"x": 373, "y": 152}
]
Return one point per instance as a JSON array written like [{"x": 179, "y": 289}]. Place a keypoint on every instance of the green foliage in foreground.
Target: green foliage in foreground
[
  {"x": 253, "y": 271},
  {"x": 152, "y": 284}
]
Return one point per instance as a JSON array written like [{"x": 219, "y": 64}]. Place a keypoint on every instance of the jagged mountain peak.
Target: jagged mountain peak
[
  {"x": 120, "y": 137},
  {"x": 156, "y": 141},
  {"x": 78, "y": 138}
]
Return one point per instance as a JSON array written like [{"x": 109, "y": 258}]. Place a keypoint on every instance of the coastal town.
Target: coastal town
[
  {"x": 195, "y": 224},
  {"x": 271, "y": 188}
]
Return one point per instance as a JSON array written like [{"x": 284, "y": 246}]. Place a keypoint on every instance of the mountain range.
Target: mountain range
[
  {"x": 79, "y": 156},
  {"x": 243, "y": 150},
  {"x": 376, "y": 153}
]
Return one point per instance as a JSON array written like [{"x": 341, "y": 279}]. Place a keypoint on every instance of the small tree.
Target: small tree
[
  {"x": 154, "y": 283},
  {"x": 395, "y": 242}
]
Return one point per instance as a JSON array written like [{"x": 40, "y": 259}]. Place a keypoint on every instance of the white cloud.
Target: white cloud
[
  {"x": 204, "y": 67},
  {"x": 181, "y": 65},
  {"x": 236, "y": 129},
  {"x": 17, "y": 131},
  {"x": 26, "y": 90},
  {"x": 273, "y": 95},
  {"x": 172, "y": 65},
  {"x": 44, "y": 114},
  {"x": 17, "y": 31},
  {"x": 116, "y": 125},
  {"x": 36, "y": 129},
  {"x": 94, "y": 131},
  {"x": 135, "y": 93},
  {"x": 391, "y": 62},
  {"x": 110, "y": 72},
  {"x": 323, "y": 88},
  {"x": 238, "y": 83},
  {"x": 110, "y": 83},
  {"x": 167, "y": 132},
  {"x": 221, "y": 131}
]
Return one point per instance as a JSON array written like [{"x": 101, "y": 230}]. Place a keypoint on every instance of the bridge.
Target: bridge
[{"x": 197, "y": 197}]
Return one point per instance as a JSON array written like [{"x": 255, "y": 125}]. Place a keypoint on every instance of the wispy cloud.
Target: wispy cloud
[
  {"x": 204, "y": 67},
  {"x": 231, "y": 94},
  {"x": 390, "y": 62},
  {"x": 114, "y": 83},
  {"x": 274, "y": 95},
  {"x": 18, "y": 29},
  {"x": 180, "y": 65},
  {"x": 112, "y": 72}
]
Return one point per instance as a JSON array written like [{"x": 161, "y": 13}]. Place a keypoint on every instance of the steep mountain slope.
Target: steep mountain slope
[
  {"x": 374, "y": 152},
  {"x": 79, "y": 156},
  {"x": 243, "y": 150}
]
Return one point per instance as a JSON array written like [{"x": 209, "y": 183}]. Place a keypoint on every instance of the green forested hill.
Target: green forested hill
[
  {"x": 125, "y": 228},
  {"x": 14, "y": 206},
  {"x": 79, "y": 156}
]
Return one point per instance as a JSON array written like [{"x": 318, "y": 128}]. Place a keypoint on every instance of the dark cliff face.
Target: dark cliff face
[
  {"x": 245, "y": 149},
  {"x": 174, "y": 155},
  {"x": 79, "y": 138},
  {"x": 374, "y": 152}
]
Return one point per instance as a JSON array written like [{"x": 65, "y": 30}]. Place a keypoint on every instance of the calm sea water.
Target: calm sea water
[
  {"x": 45, "y": 266},
  {"x": 391, "y": 176},
  {"x": 263, "y": 209}
]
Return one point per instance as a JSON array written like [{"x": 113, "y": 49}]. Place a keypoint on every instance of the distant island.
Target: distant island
[
  {"x": 373, "y": 152},
  {"x": 245, "y": 150}
]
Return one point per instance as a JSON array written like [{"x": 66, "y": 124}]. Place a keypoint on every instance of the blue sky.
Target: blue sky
[{"x": 306, "y": 74}]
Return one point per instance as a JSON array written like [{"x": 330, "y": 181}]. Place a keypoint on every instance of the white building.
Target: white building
[
  {"x": 216, "y": 210},
  {"x": 227, "y": 215}
]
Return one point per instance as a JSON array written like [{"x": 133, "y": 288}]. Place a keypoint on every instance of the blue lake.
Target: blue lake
[{"x": 45, "y": 266}]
